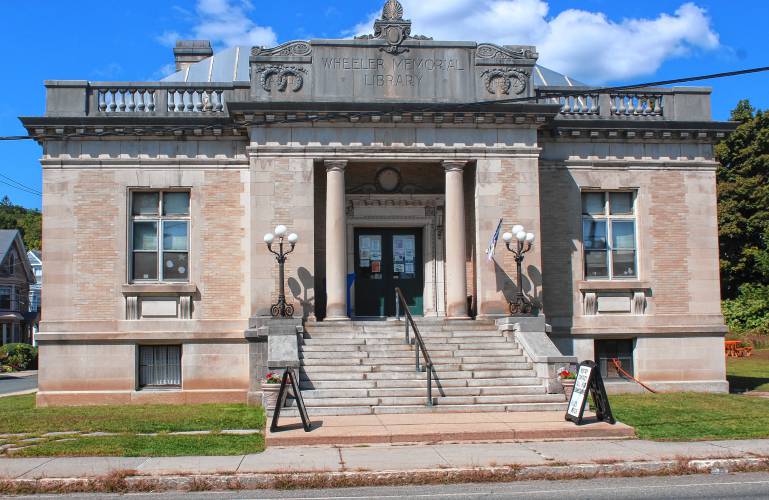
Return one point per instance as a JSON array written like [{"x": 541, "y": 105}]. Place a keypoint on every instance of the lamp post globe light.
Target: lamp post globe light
[
  {"x": 281, "y": 309},
  {"x": 520, "y": 306}
]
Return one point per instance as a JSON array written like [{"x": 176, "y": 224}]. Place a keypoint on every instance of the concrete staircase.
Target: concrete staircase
[{"x": 361, "y": 368}]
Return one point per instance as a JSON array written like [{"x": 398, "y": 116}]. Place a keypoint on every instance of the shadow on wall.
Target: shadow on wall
[
  {"x": 531, "y": 283},
  {"x": 300, "y": 290}
]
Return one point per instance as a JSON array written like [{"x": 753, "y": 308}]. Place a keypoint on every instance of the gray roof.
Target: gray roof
[{"x": 232, "y": 65}]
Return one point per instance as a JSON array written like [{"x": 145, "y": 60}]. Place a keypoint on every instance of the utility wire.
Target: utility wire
[
  {"x": 22, "y": 186},
  {"x": 544, "y": 95},
  {"x": 29, "y": 191}
]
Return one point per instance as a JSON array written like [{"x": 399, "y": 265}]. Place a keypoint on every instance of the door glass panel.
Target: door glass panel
[
  {"x": 404, "y": 256},
  {"x": 370, "y": 256}
]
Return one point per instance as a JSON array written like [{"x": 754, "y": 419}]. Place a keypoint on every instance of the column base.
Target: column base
[
  {"x": 336, "y": 318},
  {"x": 450, "y": 318}
]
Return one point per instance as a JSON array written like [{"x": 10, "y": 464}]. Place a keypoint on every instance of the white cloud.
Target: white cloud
[
  {"x": 226, "y": 23},
  {"x": 586, "y": 45}
]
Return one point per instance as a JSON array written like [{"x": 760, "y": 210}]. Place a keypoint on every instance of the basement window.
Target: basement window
[
  {"x": 607, "y": 350},
  {"x": 160, "y": 366}
]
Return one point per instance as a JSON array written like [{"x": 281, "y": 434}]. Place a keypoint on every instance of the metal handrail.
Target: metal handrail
[{"x": 400, "y": 299}]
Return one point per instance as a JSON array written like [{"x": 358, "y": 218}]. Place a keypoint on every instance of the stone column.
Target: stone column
[
  {"x": 456, "y": 274},
  {"x": 336, "y": 235}
]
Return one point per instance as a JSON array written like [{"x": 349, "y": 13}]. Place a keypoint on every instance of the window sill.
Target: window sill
[
  {"x": 159, "y": 288},
  {"x": 614, "y": 285}
]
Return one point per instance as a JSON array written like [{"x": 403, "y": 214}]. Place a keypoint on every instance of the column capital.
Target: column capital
[
  {"x": 454, "y": 165},
  {"x": 335, "y": 165}
]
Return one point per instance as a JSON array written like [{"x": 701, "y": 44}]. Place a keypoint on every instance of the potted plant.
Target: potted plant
[
  {"x": 270, "y": 389},
  {"x": 568, "y": 378}
]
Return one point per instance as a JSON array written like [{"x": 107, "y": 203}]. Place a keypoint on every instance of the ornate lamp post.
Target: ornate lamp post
[
  {"x": 521, "y": 306},
  {"x": 281, "y": 309}
]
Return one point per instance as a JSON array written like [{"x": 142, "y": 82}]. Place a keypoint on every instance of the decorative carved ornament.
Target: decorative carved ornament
[
  {"x": 510, "y": 79},
  {"x": 392, "y": 28},
  {"x": 282, "y": 74},
  {"x": 295, "y": 48},
  {"x": 491, "y": 51}
]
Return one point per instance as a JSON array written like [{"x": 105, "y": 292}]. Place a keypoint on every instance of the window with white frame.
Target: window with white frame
[
  {"x": 160, "y": 366},
  {"x": 608, "y": 234},
  {"x": 160, "y": 223},
  {"x": 6, "y": 297}
]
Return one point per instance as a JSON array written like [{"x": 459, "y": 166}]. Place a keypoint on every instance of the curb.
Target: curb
[
  {"x": 129, "y": 481},
  {"x": 18, "y": 393}
]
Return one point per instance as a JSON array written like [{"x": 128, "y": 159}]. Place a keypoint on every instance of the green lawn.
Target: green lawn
[
  {"x": 749, "y": 374},
  {"x": 693, "y": 416},
  {"x": 18, "y": 415}
]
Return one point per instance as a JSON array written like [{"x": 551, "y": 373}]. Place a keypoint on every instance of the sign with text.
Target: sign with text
[{"x": 589, "y": 381}]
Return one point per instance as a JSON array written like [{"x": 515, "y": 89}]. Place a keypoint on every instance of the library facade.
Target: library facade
[{"x": 394, "y": 158}]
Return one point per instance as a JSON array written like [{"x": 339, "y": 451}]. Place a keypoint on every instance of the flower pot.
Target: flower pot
[
  {"x": 270, "y": 395},
  {"x": 568, "y": 387}
]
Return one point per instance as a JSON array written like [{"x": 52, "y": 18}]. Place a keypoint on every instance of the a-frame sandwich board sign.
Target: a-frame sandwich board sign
[
  {"x": 289, "y": 376},
  {"x": 589, "y": 380}
]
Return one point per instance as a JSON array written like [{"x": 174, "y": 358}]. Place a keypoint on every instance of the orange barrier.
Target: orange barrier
[{"x": 622, "y": 371}]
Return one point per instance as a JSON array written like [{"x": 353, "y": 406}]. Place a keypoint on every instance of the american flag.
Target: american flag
[{"x": 493, "y": 242}]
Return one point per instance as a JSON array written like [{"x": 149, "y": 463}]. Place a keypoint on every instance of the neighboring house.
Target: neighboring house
[
  {"x": 35, "y": 292},
  {"x": 16, "y": 277},
  {"x": 157, "y": 196}
]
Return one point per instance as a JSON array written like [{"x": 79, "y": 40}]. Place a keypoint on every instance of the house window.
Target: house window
[
  {"x": 10, "y": 264},
  {"x": 608, "y": 234},
  {"x": 160, "y": 223},
  {"x": 6, "y": 294},
  {"x": 608, "y": 350},
  {"x": 160, "y": 366}
]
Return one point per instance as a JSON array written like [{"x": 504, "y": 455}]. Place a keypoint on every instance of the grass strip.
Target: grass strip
[{"x": 693, "y": 416}]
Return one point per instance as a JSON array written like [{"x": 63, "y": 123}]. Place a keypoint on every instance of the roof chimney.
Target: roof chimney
[{"x": 189, "y": 52}]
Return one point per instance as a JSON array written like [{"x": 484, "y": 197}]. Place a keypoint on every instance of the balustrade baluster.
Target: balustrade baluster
[
  {"x": 131, "y": 100},
  {"x": 191, "y": 102},
  {"x": 197, "y": 97},
  {"x": 122, "y": 104},
  {"x": 140, "y": 107},
  {"x": 151, "y": 104},
  {"x": 219, "y": 106},
  {"x": 566, "y": 105},
  {"x": 180, "y": 101},
  {"x": 594, "y": 104},
  {"x": 113, "y": 100},
  {"x": 630, "y": 105},
  {"x": 102, "y": 101}
]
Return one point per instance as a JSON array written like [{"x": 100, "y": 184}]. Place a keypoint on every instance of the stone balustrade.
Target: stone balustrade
[{"x": 636, "y": 104}]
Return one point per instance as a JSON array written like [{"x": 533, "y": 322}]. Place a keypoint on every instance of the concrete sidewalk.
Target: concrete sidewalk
[
  {"x": 440, "y": 427},
  {"x": 392, "y": 458}
]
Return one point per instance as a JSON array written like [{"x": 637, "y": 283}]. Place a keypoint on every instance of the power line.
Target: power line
[
  {"x": 458, "y": 107},
  {"x": 22, "y": 186},
  {"x": 28, "y": 191}
]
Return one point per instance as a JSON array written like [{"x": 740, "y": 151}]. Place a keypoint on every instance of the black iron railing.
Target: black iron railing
[{"x": 419, "y": 345}]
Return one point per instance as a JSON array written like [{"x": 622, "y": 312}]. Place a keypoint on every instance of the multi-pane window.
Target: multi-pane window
[
  {"x": 6, "y": 297},
  {"x": 609, "y": 350},
  {"x": 160, "y": 224},
  {"x": 160, "y": 366},
  {"x": 608, "y": 232}
]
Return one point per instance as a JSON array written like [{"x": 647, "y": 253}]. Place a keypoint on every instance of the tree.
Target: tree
[
  {"x": 743, "y": 201},
  {"x": 28, "y": 221}
]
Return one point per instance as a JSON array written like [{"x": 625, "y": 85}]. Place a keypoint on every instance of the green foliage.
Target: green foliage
[
  {"x": 26, "y": 220},
  {"x": 743, "y": 202},
  {"x": 18, "y": 356},
  {"x": 749, "y": 312}
]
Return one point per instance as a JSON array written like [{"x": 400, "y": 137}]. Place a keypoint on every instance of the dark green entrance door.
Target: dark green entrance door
[{"x": 386, "y": 259}]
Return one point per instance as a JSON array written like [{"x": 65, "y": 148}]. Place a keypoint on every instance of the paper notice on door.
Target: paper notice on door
[
  {"x": 398, "y": 268},
  {"x": 365, "y": 243},
  {"x": 376, "y": 244},
  {"x": 409, "y": 255},
  {"x": 365, "y": 254},
  {"x": 409, "y": 268},
  {"x": 376, "y": 254},
  {"x": 365, "y": 263},
  {"x": 376, "y": 266}
]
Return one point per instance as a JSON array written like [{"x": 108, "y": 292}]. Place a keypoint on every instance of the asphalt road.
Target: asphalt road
[
  {"x": 713, "y": 486},
  {"x": 10, "y": 382}
]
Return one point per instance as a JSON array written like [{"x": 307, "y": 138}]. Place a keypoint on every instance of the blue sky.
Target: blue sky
[{"x": 597, "y": 41}]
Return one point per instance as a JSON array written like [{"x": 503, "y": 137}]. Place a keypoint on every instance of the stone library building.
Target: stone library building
[{"x": 519, "y": 220}]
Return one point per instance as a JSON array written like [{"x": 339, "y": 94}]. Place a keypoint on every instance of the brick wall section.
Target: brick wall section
[
  {"x": 670, "y": 243},
  {"x": 97, "y": 260},
  {"x": 221, "y": 255},
  {"x": 560, "y": 201}
]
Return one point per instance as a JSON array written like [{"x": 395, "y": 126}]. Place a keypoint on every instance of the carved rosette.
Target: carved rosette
[
  {"x": 269, "y": 74},
  {"x": 506, "y": 80}
]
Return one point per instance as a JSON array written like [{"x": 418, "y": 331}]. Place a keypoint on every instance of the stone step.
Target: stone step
[
  {"x": 408, "y": 365},
  {"x": 369, "y": 410},
  {"x": 417, "y": 383},
  {"x": 417, "y": 392},
  {"x": 486, "y": 354},
  {"x": 437, "y": 400},
  {"x": 341, "y": 375},
  {"x": 356, "y": 359}
]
